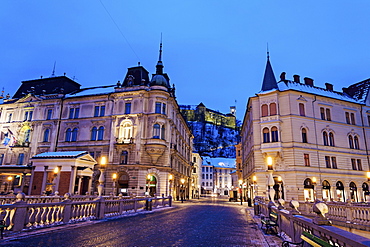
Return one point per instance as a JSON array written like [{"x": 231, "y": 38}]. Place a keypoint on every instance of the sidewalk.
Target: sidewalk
[{"x": 254, "y": 231}]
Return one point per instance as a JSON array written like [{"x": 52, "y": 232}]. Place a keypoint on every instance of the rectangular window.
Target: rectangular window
[
  {"x": 1, "y": 159},
  {"x": 96, "y": 111},
  {"x": 347, "y": 118},
  {"x": 20, "y": 159},
  {"x": 49, "y": 114},
  {"x": 353, "y": 119},
  {"x": 164, "y": 109},
  {"x": 353, "y": 162},
  {"x": 327, "y": 162},
  {"x": 334, "y": 162},
  {"x": 322, "y": 113},
  {"x": 25, "y": 116},
  {"x": 128, "y": 108},
  {"x": 206, "y": 169},
  {"x": 71, "y": 113},
  {"x": 10, "y": 117},
  {"x": 102, "y": 110},
  {"x": 306, "y": 159},
  {"x": 328, "y": 115},
  {"x": 77, "y": 112},
  {"x": 301, "y": 109},
  {"x": 74, "y": 113},
  {"x": 157, "y": 107},
  {"x": 359, "y": 165}
]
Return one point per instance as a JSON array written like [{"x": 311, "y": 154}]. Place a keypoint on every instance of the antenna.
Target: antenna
[
  {"x": 53, "y": 73},
  {"x": 160, "y": 50}
]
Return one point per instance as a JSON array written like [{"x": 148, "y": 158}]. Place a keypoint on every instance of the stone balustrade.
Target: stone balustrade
[
  {"x": 22, "y": 215},
  {"x": 293, "y": 224}
]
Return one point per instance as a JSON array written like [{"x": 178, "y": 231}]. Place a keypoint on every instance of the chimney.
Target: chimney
[
  {"x": 329, "y": 86},
  {"x": 296, "y": 78},
  {"x": 308, "y": 81}
]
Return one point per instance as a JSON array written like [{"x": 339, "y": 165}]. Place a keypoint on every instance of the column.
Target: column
[{"x": 44, "y": 178}]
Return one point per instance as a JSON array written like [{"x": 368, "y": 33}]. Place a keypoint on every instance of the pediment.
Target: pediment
[{"x": 29, "y": 98}]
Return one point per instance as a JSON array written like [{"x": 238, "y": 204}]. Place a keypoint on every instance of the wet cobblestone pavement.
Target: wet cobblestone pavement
[{"x": 205, "y": 222}]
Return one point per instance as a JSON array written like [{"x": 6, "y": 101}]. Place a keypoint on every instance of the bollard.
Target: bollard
[{"x": 148, "y": 205}]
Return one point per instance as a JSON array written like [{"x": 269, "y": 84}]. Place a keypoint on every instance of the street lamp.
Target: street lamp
[
  {"x": 270, "y": 179},
  {"x": 182, "y": 190},
  {"x": 114, "y": 176},
  {"x": 170, "y": 178},
  {"x": 56, "y": 171},
  {"x": 368, "y": 176},
  {"x": 148, "y": 178},
  {"x": 240, "y": 191},
  {"x": 10, "y": 179},
  {"x": 103, "y": 162}
]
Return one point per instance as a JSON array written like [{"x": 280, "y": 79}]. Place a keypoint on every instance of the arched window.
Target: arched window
[
  {"x": 272, "y": 109},
  {"x": 74, "y": 135},
  {"x": 100, "y": 133},
  {"x": 68, "y": 135},
  {"x": 274, "y": 134},
  {"x": 124, "y": 157},
  {"x": 264, "y": 110},
  {"x": 304, "y": 135},
  {"x": 266, "y": 135},
  {"x": 357, "y": 144},
  {"x": 350, "y": 141},
  {"x": 46, "y": 135},
  {"x": 163, "y": 132},
  {"x": 206, "y": 183},
  {"x": 94, "y": 130},
  {"x": 331, "y": 139},
  {"x": 125, "y": 133},
  {"x": 156, "y": 131},
  {"x": 301, "y": 109},
  {"x": 325, "y": 138}
]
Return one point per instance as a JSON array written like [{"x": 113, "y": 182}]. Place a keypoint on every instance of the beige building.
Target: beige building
[
  {"x": 136, "y": 125},
  {"x": 305, "y": 142}
]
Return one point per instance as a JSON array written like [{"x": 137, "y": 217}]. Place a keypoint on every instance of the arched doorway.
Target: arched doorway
[
  {"x": 151, "y": 185},
  {"x": 123, "y": 184},
  {"x": 353, "y": 192},
  {"x": 326, "y": 195},
  {"x": 366, "y": 192},
  {"x": 340, "y": 192},
  {"x": 308, "y": 190},
  {"x": 279, "y": 188}
]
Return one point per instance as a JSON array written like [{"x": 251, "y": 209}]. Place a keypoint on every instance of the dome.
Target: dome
[{"x": 159, "y": 80}]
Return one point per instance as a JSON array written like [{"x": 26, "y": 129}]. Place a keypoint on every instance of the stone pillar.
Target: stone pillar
[
  {"x": 72, "y": 179},
  {"x": 90, "y": 185},
  {"x": 44, "y": 178},
  {"x": 79, "y": 181}
]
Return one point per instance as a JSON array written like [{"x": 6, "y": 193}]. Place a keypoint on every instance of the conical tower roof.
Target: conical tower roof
[{"x": 269, "y": 81}]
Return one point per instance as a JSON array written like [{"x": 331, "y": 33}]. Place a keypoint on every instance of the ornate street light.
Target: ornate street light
[
  {"x": 254, "y": 178},
  {"x": 56, "y": 171},
  {"x": 148, "y": 178},
  {"x": 368, "y": 176},
  {"x": 270, "y": 180},
  {"x": 10, "y": 179},
  {"x": 114, "y": 176},
  {"x": 240, "y": 191},
  {"x": 103, "y": 162},
  {"x": 170, "y": 178}
]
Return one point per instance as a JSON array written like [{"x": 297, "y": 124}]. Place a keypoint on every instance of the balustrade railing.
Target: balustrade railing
[
  {"x": 24, "y": 215},
  {"x": 293, "y": 224}
]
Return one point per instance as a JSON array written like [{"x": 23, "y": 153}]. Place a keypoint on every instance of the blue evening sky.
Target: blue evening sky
[{"x": 213, "y": 51}]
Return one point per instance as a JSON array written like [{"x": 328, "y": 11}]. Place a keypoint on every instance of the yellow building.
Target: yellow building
[{"x": 305, "y": 142}]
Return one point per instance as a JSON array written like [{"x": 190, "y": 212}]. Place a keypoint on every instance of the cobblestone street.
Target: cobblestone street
[{"x": 204, "y": 222}]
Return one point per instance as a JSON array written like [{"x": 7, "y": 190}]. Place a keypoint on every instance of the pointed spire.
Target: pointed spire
[
  {"x": 159, "y": 70},
  {"x": 269, "y": 81}
]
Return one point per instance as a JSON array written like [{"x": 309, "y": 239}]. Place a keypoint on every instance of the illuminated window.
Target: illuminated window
[{"x": 306, "y": 159}]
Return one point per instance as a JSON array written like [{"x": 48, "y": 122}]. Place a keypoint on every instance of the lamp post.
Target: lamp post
[
  {"x": 270, "y": 180},
  {"x": 314, "y": 182},
  {"x": 192, "y": 190},
  {"x": 254, "y": 185},
  {"x": 170, "y": 178},
  {"x": 240, "y": 190},
  {"x": 10, "y": 182},
  {"x": 149, "y": 177},
  {"x": 56, "y": 171},
  {"x": 182, "y": 190},
  {"x": 114, "y": 176},
  {"x": 103, "y": 162},
  {"x": 368, "y": 176}
]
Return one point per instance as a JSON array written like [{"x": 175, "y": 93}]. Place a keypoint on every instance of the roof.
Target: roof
[
  {"x": 220, "y": 162},
  {"x": 269, "y": 81},
  {"x": 291, "y": 85},
  {"x": 60, "y": 155},
  {"x": 92, "y": 91}
]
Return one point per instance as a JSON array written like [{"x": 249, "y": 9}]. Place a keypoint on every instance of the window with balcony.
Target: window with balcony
[
  {"x": 156, "y": 131},
  {"x": 264, "y": 110},
  {"x": 273, "y": 109},
  {"x": 274, "y": 134},
  {"x": 163, "y": 132},
  {"x": 124, "y": 157},
  {"x": 266, "y": 135}
]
